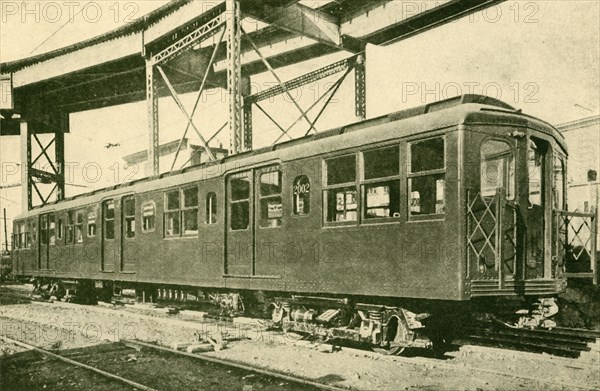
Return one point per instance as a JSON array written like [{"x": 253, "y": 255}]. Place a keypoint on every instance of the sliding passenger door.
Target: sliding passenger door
[
  {"x": 239, "y": 243},
  {"x": 539, "y": 208},
  {"x": 128, "y": 232},
  {"x": 254, "y": 213},
  {"x": 44, "y": 241},
  {"x": 268, "y": 235},
  {"x": 109, "y": 244},
  {"x": 494, "y": 219}
]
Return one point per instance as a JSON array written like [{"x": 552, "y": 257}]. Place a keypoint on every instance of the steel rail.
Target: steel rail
[
  {"x": 239, "y": 365},
  {"x": 78, "y": 364}
]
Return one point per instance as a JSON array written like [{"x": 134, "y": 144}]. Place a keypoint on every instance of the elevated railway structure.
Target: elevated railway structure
[{"x": 187, "y": 45}]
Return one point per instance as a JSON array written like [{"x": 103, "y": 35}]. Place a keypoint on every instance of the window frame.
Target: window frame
[
  {"x": 18, "y": 234},
  {"x": 125, "y": 218},
  {"x": 231, "y": 201},
  {"x": 294, "y": 195},
  {"x": 93, "y": 213},
  {"x": 211, "y": 206},
  {"x": 167, "y": 211},
  {"x": 44, "y": 225},
  {"x": 105, "y": 218},
  {"x": 23, "y": 235},
  {"x": 267, "y": 197},
  {"x": 364, "y": 183},
  {"x": 326, "y": 188},
  {"x": 78, "y": 226},
  {"x": 52, "y": 237},
  {"x": 60, "y": 227},
  {"x": 70, "y": 227},
  {"x": 184, "y": 209},
  {"x": 411, "y": 175},
  {"x": 153, "y": 204},
  {"x": 34, "y": 232},
  {"x": 180, "y": 211},
  {"x": 509, "y": 196},
  {"x": 546, "y": 159},
  {"x": 564, "y": 191}
]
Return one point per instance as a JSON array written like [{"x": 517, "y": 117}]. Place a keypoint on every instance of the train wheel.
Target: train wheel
[
  {"x": 397, "y": 333},
  {"x": 392, "y": 351}
]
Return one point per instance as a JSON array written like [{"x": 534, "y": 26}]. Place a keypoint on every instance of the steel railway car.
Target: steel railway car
[{"x": 359, "y": 232}]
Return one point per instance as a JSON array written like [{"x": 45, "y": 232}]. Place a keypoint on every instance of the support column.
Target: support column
[
  {"x": 25, "y": 164},
  {"x": 59, "y": 156},
  {"x": 234, "y": 75},
  {"x": 152, "y": 167},
  {"x": 247, "y": 113},
  {"x": 360, "y": 87},
  {"x": 247, "y": 126}
]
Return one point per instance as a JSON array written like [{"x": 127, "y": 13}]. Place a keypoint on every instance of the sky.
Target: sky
[{"x": 540, "y": 56}]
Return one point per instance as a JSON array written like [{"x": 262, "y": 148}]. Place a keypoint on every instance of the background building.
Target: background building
[
  {"x": 189, "y": 155},
  {"x": 583, "y": 141}
]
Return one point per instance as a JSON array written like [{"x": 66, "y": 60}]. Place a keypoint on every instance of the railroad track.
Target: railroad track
[
  {"x": 13, "y": 297},
  {"x": 558, "y": 341},
  {"x": 153, "y": 381},
  {"x": 307, "y": 384},
  {"x": 109, "y": 375},
  {"x": 245, "y": 367}
]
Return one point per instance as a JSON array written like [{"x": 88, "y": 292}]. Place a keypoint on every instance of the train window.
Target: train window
[
  {"x": 341, "y": 204},
  {"x": 91, "y": 225},
  {"x": 148, "y": 216},
  {"x": 301, "y": 195},
  {"x": 20, "y": 235},
  {"x": 427, "y": 177},
  {"x": 44, "y": 229},
  {"x": 33, "y": 231},
  {"x": 211, "y": 208},
  {"x": 172, "y": 227},
  {"x": 51, "y": 228},
  {"x": 270, "y": 200},
  {"x": 341, "y": 170},
  {"x": 70, "y": 227},
  {"x": 109, "y": 219},
  {"x": 24, "y": 235},
  {"x": 59, "y": 229},
  {"x": 382, "y": 162},
  {"x": 79, "y": 227},
  {"x": 240, "y": 201},
  {"x": 381, "y": 182},
  {"x": 382, "y": 199},
  {"x": 497, "y": 169},
  {"x": 129, "y": 216},
  {"x": 559, "y": 183},
  {"x": 190, "y": 211},
  {"x": 341, "y": 201},
  {"x": 240, "y": 188},
  {"x": 427, "y": 155},
  {"x": 535, "y": 165}
]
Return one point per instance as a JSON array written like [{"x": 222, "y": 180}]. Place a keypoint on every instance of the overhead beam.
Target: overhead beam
[
  {"x": 299, "y": 19},
  {"x": 376, "y": 21},
  {"x": 206, "y": 30},
  {"x": 382, "y": 22},
  {"x": 302, "y": 80}
]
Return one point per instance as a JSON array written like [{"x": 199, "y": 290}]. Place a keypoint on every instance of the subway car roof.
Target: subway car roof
[{"x": 465, "y": 109}]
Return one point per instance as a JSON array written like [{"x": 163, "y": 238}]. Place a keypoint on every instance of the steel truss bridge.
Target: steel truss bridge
[{"x": 187, "y": 45}]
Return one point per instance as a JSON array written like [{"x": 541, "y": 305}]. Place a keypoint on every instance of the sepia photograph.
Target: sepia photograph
[{"x": 274, "y": 195}]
